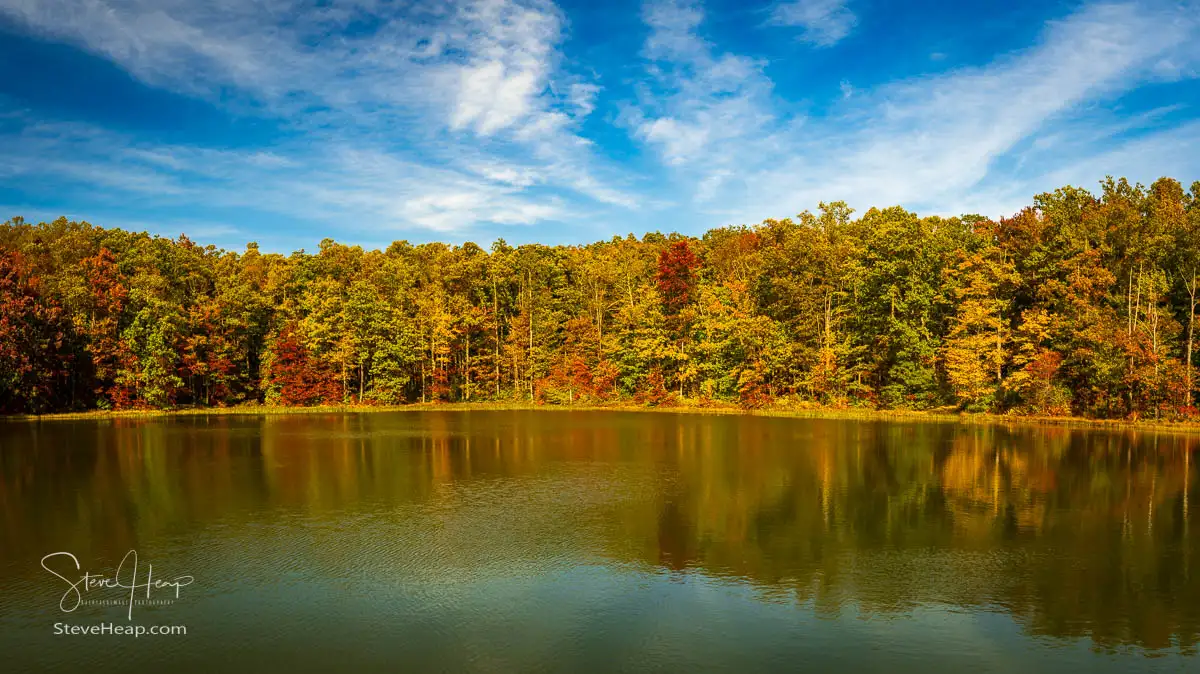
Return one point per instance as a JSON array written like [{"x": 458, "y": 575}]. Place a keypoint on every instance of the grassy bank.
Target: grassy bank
[{"x": 863, "y": 414}]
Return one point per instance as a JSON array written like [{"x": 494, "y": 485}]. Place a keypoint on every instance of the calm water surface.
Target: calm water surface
[{"x": 598, "y": 541}]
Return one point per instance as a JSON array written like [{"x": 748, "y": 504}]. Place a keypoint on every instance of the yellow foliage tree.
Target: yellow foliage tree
[{"x": 976, "y": 347}]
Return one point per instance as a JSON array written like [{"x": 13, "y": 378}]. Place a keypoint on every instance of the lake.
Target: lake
[{"x": 519, "y": 541}]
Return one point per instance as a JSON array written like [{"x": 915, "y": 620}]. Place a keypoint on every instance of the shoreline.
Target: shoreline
[{"x": 862, "y": 414}]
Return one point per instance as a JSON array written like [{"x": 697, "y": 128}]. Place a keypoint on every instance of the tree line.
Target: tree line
[{"x": 1078, "y": 304}]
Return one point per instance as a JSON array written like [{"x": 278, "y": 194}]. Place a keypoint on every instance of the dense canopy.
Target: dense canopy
[{"x": 1079, "y": 304}]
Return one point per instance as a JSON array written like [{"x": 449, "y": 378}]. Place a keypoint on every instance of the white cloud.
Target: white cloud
[
  {"x": 509, "y": 71},
  {"x": 438, "y": 87},
  {"x": 370, "y": 189},
  {"x": 490, "y": 98},
  {"x": 823, "y": 22},
  {"x": 706, "y": 107},
  {"x": 931, "y": 143},
  {"x": 679, "y": 140},
  {"x": 582, "y": 96}
]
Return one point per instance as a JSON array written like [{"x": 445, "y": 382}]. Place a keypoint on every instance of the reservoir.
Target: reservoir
[{"x": 522, "y": 541}]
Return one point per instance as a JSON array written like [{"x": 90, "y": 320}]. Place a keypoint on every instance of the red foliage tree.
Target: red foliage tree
[
  {"x": 604, "y": 379},
  {"x": 676, "y": 276},
  {"x": 35, "y": 354},
  {"x": 301, "y": 381},
  {"x": 205, "y": 357},
  {"x": 109, "y": 293},
  {"x": 752, "y": 389},
  {"x": 653, "y": 392}
]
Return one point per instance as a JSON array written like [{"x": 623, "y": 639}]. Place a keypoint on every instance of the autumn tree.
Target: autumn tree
[
  {"x": 976, "y": 347},
  {"x": 35, "y": 341},
  {"x": 675, "y": 277}
]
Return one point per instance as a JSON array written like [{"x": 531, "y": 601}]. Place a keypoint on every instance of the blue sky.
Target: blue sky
[{"x": 287, "y": 121}]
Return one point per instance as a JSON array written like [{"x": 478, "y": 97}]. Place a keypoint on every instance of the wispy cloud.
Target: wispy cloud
[
  {"x": 703, "y": 109},
  {"x": 429, "y": 91},
  {"x": 822, "y": 22},
  {"x": 367, "y": 187},
  {"x": 928, "y": 142}
]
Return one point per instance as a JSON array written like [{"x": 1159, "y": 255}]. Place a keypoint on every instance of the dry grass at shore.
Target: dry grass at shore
[{"x": 863, "y": 414}]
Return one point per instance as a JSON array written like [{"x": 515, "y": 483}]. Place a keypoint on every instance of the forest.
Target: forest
[{"x": 1080, "y": 304}]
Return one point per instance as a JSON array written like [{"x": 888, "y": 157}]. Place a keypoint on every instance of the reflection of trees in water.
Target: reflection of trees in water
[{"x": 1076, "y": 533}]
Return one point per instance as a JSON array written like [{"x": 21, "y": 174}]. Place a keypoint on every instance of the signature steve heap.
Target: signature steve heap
[{"x": 126, "y": 577}]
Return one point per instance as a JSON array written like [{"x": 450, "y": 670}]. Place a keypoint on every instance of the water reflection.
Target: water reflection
[{"x": 1075, "y": 533}]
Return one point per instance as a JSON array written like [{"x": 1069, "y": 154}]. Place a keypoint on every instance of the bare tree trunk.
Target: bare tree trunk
[
  {"x": 530, "y": 373},
  {"x": 1152, "y": 312},
  {"x": 599, "y": 324},
  {"x": 496, "y": 321},
  {"x": 1137, "y": 305},
  {"x": 1191, "y": 333},
  {"x": 1128, "y": 302},
  {"x": 828, "y": 319}
]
